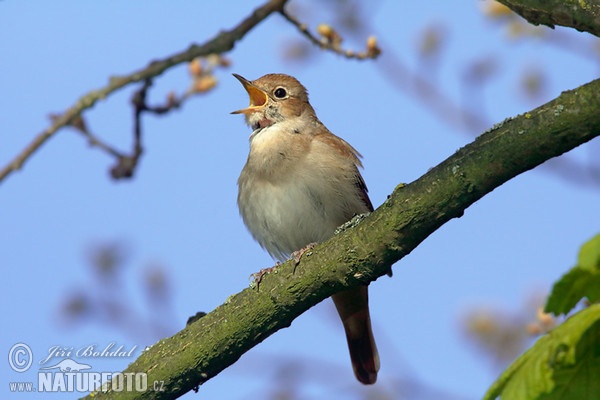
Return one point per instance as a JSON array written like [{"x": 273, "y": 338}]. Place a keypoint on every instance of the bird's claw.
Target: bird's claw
[
  {"x": 296, "y": 255},
  {"x": 257, "y": 276}
]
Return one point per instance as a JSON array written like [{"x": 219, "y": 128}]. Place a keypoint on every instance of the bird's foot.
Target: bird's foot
[
  {"x": 257, "y": 276},
  {"x": 299, "y": 253}
]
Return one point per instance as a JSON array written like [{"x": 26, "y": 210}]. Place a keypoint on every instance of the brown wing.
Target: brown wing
[
  {"x": 349, "y": 152},
  {"x": 362, "y": 186}
]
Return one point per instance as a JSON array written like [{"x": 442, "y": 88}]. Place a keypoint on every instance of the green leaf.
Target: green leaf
[
  {"x": 581, "y": 281},
  {"x": 562, "y": 365},
  {"x": 589, "y": 255}
]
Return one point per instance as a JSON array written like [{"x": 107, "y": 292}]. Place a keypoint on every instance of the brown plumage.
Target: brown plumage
[{"x": 299, "y": 184}]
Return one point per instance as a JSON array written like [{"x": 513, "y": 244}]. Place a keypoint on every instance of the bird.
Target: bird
[{"x": 300, "y": 182}]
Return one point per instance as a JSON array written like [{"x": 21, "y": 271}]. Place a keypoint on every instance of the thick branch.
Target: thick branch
[
  {"x": 581, "y": 15},
  {"x": 220, "y": 44},
  {"x": 366, "y": 251}
]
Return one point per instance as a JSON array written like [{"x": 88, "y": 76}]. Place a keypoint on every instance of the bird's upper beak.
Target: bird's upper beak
[{"x": 258, "y": 97}]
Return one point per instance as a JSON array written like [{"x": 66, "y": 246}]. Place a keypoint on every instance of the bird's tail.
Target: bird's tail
[{"x": 353, "y": 308}]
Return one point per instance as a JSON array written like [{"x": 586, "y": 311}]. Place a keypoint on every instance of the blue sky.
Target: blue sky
[{"x": 179, "y": 211}]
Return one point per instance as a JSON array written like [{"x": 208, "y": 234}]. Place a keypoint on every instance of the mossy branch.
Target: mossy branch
[
  {"x": 583, "y": 15},
  {"x": 365, "y": 251}
]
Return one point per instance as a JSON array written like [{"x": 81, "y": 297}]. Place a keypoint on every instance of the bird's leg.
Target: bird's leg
[
  {"x": 299, "y": 253},
  {"x": 257, "y": 276}
]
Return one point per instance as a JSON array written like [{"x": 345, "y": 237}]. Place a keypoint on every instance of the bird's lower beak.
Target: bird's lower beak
[{"x": 258, "y": 98}]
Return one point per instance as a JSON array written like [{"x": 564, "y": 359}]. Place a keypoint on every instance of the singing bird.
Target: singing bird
[{"x": 299, "y": 184}]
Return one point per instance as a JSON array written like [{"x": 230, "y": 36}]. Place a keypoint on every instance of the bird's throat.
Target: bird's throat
[{"x": 262, "y": 123}]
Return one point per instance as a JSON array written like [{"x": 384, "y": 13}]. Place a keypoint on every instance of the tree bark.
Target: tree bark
[
  {"x": 583, "y": 15},
  {"x": 366, "y": 248}
]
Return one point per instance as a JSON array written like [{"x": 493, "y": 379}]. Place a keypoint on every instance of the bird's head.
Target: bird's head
[{"x": 273, "y": 98}]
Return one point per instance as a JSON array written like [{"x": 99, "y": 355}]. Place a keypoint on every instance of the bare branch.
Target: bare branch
[
  {"x": 330, "y": 40},
  {"x": 222, "y": 43}
]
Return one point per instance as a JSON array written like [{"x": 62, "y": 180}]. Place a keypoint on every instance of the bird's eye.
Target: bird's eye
[{"x": 280, "y": 93}]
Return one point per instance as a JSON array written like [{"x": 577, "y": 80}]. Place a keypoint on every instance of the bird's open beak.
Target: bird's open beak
[{"x": 258, "y": 98}]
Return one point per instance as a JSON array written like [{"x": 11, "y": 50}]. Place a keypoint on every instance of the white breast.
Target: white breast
[{"x": 290, "y": 196}]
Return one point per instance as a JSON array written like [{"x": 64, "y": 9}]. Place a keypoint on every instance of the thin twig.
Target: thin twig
[
  {"x": 326, "y": 43},
  {"x": 126, "y": 164},
  {"x": 95, "y": 141},
  {"x": 222, "y": 43},
  {"x": 80, "y": 126}
]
